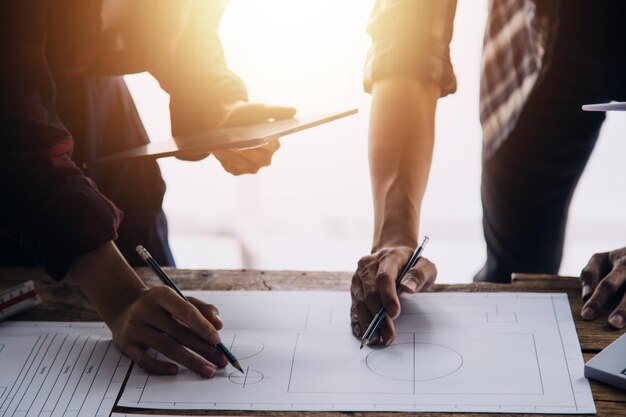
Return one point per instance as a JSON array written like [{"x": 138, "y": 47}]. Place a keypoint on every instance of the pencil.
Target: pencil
[
  {"x": 148, "y": 259},
  {"x": 378, "y": 318}
]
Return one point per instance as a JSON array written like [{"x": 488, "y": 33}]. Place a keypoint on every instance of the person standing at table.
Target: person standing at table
[
  {"x": 541, "y": 61},
  {"x": 63, "y": 102}
]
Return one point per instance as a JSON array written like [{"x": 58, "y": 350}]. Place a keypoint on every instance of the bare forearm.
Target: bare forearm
[
  {"x": 107, "y": 280},
  {"x": 400, "y": 152}
]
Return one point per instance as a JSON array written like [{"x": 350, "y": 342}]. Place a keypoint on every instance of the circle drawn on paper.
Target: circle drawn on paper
[
  {"x": 411, "y": 362},
  {"x": 250, "y": 377},
  {"x": 244, "y": 347}
]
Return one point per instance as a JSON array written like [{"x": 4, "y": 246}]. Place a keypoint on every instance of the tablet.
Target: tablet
[
  {"x": 609, "y": 366},
  {"x": 239, "y": 137}
]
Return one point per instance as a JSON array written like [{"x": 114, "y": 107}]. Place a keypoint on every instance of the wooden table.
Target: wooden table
[{"x": 65, "y": 302}]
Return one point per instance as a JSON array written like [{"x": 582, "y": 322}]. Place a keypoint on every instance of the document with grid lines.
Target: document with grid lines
[{"x": 59, "y": 369}]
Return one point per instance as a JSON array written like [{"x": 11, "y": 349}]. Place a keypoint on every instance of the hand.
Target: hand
[
  {"x": 603, "y": 278},
  {"x": 142, "y": 318},
  {"x": 160, "y": 319},
  {"x": 249, "y": 161},
  {"x": 373, "y": 286}
]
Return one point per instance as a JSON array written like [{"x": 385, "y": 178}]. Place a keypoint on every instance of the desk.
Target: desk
[{"x": 65, "y": 302}]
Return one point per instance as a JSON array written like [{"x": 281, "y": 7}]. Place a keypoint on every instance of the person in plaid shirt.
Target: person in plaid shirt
[
  {"x": 541, "y": 60},
  {"x": 63, "y": 102}
]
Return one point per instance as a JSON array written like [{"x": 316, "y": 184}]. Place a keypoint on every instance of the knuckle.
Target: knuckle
[
  {"x": 597, "y": 257},
  {"x": 382, "y": 279},
  {"x": 608, "y": 286},
  {"x": 620, "y": 262},
  {"x": 586, "y": 274},
  {"x": 372, "y": 298},
  {"x": 359, "y": 305},
  {"x": 363, "y": 262},
  {"x": 188, "y": 312}
]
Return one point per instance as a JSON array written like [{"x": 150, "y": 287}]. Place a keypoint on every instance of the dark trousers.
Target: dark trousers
[{"x": 528, "y": 183}]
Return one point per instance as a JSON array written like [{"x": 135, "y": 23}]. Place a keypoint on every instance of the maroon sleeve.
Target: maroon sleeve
[{"x": 48, "y": 206}]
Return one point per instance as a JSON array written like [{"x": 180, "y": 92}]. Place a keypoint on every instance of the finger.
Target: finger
[
  {"x": 360, "y": 316},
  {"x": 281, "y": 112},
  {"x": 209, "y": 311},
  {"x": 356, "y": 292},
  {"x": 387, "y": 331},
  {"x": 365, "y": 318},
  {"x": 610, "y": 285},
  {"x": 164, "y": 323},
  {"x": 386, "y": 286},
  {"x": 617, "y": 318},
  {"x": 267, "y": 111},
  {"x": 192, "y": 157},
  {"x": 597, "y": 267},
  {"x": 150, "y": 364},
  {"x": 249, "y": 113},
  {"x": 174, "y": 351},
  {"x": 238, "y": 162},
  {"x": 420, "y": 278},
  {"x": 187, "y": 314},
  {"x": 271, "y": 146}
]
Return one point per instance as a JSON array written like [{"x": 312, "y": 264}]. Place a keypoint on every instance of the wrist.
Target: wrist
[
  {"x": 396, "y": 228},
  {"x": 394, "y": 236},
  {"x": 107, "y": 280}
]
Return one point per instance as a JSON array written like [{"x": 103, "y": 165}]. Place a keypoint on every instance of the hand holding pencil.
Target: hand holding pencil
[
  {"x": 213, "y": 338},
  {"x": 376, "y": 285},
  {"x": 143, "y": 320}
]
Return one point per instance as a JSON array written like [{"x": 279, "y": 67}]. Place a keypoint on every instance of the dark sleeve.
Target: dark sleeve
[
  {"x": 48, "y": 206},
  {"x": 196, "y": 75},
  {"x": 411, "y": 38}
]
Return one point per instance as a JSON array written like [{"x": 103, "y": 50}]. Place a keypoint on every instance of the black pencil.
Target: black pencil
[
  {"x": 378, "y": 318},
  {"x": 148, "y": 259}
]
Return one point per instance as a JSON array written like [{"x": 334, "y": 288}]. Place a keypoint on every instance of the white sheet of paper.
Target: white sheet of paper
[
  {"x": 470, "y": 352},
  {"x": 54, "y": 369}
]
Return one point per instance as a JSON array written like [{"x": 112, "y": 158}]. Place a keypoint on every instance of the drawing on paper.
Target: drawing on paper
[
  {"x": 249, "y": 377},
  {"x": 453, "y": 352},
  {"x": 243, "y": 347},
  {"x": 412, "y": 362}
]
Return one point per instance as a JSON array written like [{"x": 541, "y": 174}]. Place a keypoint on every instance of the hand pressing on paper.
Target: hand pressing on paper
[
  {"x": 185, "y": 332},
  {"x": 249, "y": 161},
  {"x": 155, "y": 318},
  {"x": 373, "y": 286},
  {"x": 604, "y": 279}
]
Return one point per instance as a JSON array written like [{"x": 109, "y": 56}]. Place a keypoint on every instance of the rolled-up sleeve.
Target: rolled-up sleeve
[
  {"x": 411, "y": 38},
  {"x": 48, "y": 206}
]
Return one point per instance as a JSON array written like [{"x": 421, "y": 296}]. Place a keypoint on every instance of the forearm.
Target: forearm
[
  {"x": 107, "y": 280},
  {"x": 401, "y": 141}
]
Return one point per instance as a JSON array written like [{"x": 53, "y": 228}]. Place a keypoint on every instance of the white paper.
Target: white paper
[
  {"x": 51, "y": 369},
  {"x": 455, "y": 352}
]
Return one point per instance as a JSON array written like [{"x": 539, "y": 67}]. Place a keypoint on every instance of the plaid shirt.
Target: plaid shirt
[{"x": 412, "y": 37}]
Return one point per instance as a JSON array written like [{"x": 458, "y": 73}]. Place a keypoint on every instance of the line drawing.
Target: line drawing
[
  {"x": 430, "y": 361},
  {"x": 459, "y": 352},
  {"x": 250, "y": 377},
  {"x": 244, "y": 347}
]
